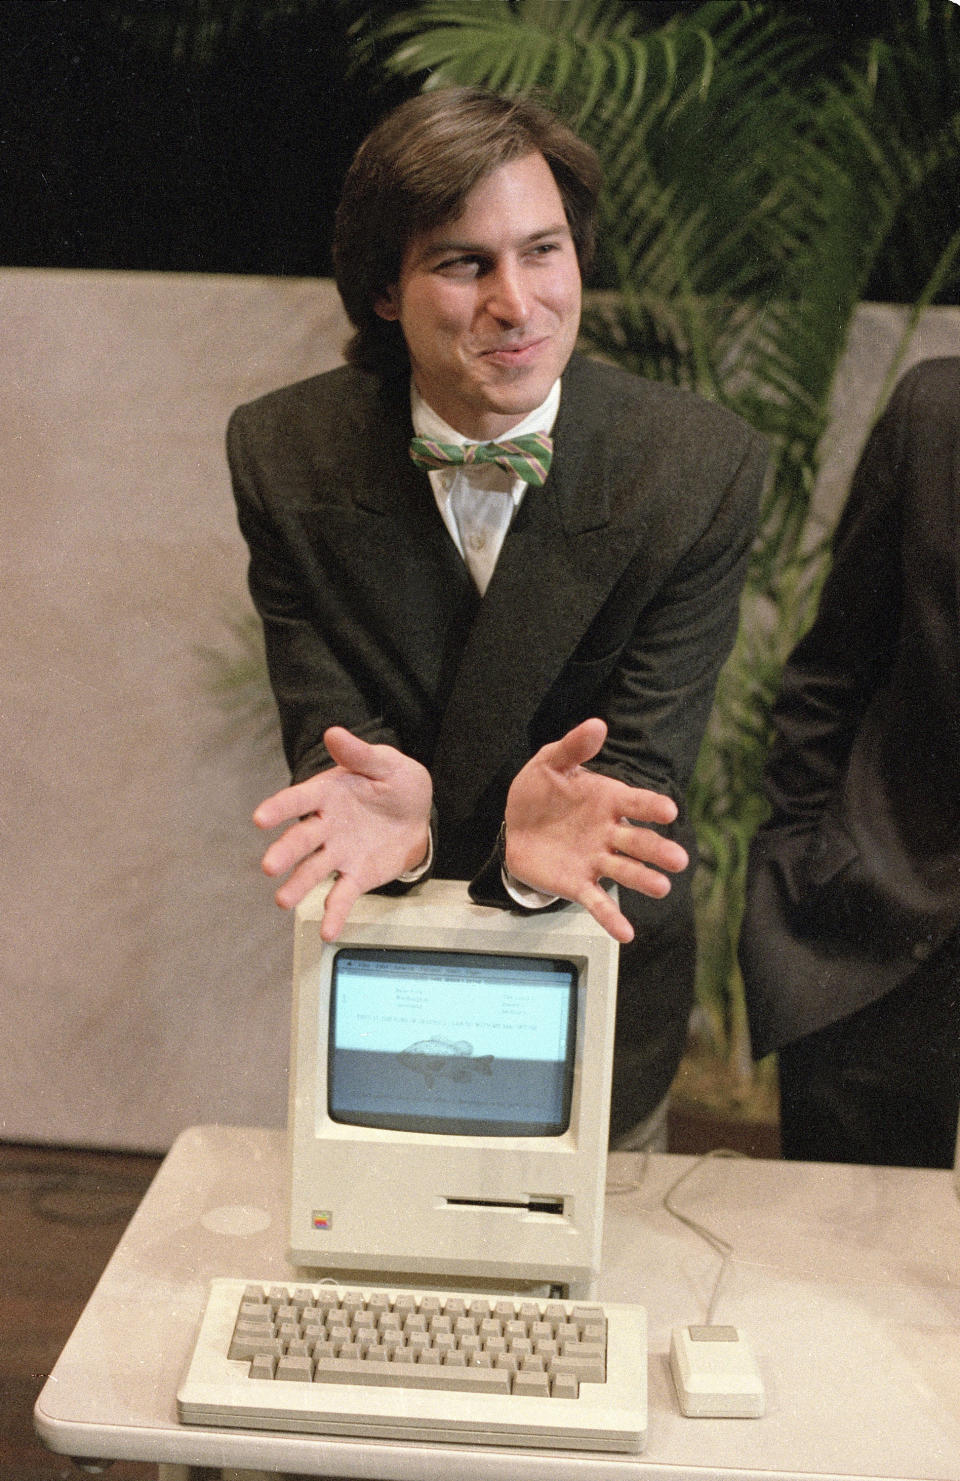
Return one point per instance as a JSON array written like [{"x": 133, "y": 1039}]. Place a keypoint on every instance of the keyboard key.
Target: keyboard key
[
  {"x": 535, "y": 1385},
  {"x": 414, "y": 1375},
  {"x": 243, "y": 1348},
  {"x": 588, "y": 1367},
  {"x": 294, "y": 1369}
]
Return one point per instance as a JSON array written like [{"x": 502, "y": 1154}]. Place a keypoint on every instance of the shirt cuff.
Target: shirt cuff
[
  {"x": 524, "y": 894},
  {"x": 411, "y": 876}
]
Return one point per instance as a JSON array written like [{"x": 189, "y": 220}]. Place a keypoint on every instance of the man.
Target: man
[
  {"x": 850, "y": 946},
  {"x": 502, "y": 680}
]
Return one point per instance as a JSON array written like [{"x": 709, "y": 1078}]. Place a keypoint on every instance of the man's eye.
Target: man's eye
[{"x": 460, "y": 267}]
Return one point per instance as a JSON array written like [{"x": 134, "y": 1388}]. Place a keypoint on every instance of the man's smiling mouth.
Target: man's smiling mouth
[{"x": 513, "y": 351}]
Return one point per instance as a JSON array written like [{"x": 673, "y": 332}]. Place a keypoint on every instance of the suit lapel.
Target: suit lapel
[{"x": 394, "y": 550}]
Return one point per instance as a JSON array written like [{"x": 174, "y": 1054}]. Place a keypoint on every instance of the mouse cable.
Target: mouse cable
[{"x": 722, "y": 1247}]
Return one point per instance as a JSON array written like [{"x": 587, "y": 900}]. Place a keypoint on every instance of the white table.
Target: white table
[{"x": 846, "y": 1280}]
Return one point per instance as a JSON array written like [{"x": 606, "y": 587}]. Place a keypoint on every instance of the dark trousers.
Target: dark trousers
[{"x": 882, "y": 1086}]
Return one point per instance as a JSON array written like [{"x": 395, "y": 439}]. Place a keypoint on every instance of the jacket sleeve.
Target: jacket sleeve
[
  {"x": 658, "y": 698},
  {"x": 314, "y": 682}
]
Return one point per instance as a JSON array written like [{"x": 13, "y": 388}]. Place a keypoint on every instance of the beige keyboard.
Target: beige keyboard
[{"x": 419, "y": 1365}]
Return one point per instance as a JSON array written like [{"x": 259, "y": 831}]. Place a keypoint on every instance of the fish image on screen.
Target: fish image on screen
[
  {"x": 454, "y": 1042},
  {"x": 433, "y": 1057}
]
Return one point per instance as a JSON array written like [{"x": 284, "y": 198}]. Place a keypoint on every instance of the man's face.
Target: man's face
[{"x": 489, "y": 303}]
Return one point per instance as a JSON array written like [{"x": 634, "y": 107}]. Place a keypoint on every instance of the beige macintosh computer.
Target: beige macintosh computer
[{"x": 448, "y": 1123}]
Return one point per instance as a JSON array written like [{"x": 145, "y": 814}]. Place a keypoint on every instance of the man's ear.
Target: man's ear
[{"x": 388, "y": 305}]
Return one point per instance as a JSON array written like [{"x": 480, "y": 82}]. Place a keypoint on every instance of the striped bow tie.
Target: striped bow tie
[{"x": 527, "y": 457}]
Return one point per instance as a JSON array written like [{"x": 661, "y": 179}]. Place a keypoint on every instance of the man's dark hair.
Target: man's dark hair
[{"x": 415, "y": 171}]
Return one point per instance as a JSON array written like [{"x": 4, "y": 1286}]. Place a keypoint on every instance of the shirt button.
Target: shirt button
[{"x": 476, "y": 542}]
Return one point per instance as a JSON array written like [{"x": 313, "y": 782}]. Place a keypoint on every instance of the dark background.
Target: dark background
[
  {"x": 201, "y": 135},
  {"x": 148, "y": 148}
]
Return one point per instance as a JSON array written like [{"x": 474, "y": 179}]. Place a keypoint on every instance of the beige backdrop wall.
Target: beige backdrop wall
[{"x": 144, "y": 972}]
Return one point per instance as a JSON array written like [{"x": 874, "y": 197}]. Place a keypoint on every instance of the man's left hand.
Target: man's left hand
[{"x": 567, "y": 828}]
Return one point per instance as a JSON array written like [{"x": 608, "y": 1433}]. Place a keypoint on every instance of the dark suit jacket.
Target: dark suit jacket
[
  {"x": 855, "y": 879},
  {"x": 615, "y": 594}
]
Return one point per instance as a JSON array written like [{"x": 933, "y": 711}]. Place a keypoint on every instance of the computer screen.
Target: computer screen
[
  {"x": 449, "y": 1098},
  {"x": 470, "y": 1043}
]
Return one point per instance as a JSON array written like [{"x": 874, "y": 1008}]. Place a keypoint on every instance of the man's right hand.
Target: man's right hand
[{"x": 366, "y": 819}]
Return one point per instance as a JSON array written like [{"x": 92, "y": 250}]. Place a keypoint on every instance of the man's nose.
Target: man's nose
[{"x": 507, "y": 298}]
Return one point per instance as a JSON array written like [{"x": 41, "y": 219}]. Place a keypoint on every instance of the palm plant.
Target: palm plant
[{"x": 754, "y": 185}]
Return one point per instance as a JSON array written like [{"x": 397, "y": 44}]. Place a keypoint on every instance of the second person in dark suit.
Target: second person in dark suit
[{"x": 851, "y": 940}]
